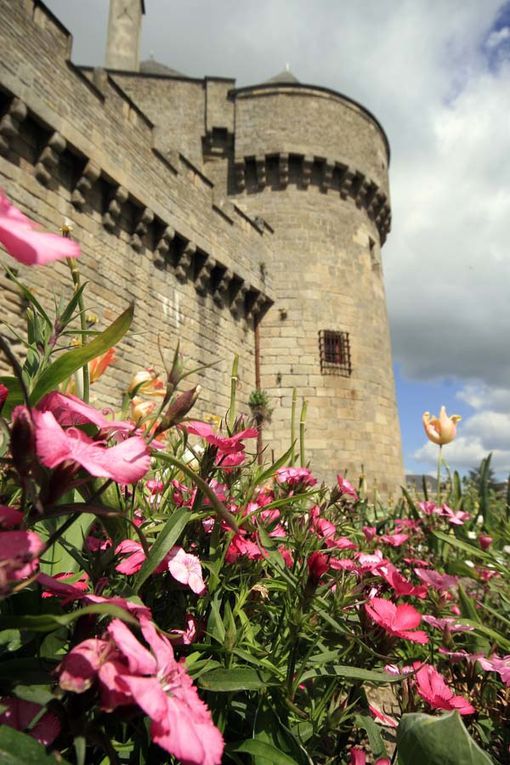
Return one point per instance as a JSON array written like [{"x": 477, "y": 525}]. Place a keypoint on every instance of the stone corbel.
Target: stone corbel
[
  {"x": 49, "y": 158},
  {"x": 10, "y": 122},
  {"x": 238, "y": 306},
  {"x": 283, "y": 169},
  {"x": 370, "y": 194},
  {"x": 327, "y": 175},
  {"x": 221, "y": 295},
  {"x": 183, "y": 267},
  {"x": 356, "y": 189},
  {"x": 203, "y": 280},
  {"x": 141, "y": 228},
  {"x": 260, "y": 169},
  {"x": 165, "y": 240},
  {"x": 347, "y": 183},
  {"x": 89, "y": 176},
  {"x": 113, "y": 211},
  {"x": 240, "y": 173},
  {"x": 308, "y": 161},
  {"x": 259, "y": 307}
]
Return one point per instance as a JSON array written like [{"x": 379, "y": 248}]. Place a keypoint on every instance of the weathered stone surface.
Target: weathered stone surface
[{"x": 204, "y": 204}]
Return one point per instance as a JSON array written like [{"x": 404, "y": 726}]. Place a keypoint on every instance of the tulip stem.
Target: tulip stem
[{"x": 439, "y": 462}]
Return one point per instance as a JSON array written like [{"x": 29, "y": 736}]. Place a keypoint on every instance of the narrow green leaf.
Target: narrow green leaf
[
  {"x": 271, "y": 470},
  {"x": 71, "y": 361},
  {"x": 67, "y": 313},
  {"x": 171, "y": 532},
  {"x": 474, "y": 552},
  {"x": 375, "y": 738},
  {"x": 264, "y": 750},
  {"x": 20, "y": 749},
  {"x": 352, "y": 673},
  {"x": 236, "y": 679},
  {"x": 443, "y": 740}
]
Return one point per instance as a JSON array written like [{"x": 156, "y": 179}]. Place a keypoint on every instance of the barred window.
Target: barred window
[{"x": 335, "y": 353}]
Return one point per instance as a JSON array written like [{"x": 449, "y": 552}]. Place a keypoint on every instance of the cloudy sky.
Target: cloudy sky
[{"x": 437, "y": 75}]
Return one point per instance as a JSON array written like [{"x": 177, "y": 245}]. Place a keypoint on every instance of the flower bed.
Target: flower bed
[{"x": 165, "y": 598}]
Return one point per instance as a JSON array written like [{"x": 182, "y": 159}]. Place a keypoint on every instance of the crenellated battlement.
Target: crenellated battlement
[{"x": 278, "y": 171}]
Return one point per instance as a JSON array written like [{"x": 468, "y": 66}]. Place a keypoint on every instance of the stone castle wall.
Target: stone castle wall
[
  {"x": 151, "y": 225},
  {"x": 205, "y": 204}
]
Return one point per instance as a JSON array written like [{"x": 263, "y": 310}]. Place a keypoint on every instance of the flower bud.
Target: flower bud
[
  {"x": 22, "y": 440},
  {"x": 440, "y": 430}
]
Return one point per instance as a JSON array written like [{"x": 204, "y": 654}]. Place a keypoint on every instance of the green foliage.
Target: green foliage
[
  {"x": 427, "y": 740},
  {"x": 19, "y": 749}
]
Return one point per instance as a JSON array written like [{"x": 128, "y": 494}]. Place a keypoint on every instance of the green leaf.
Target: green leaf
[
  {"x": 236, "y": 679},
  {"x": 375, "y": 738},
  {"x": 166, "y": 539},
  {"x": 443, "y": 740},
  {"x": 71, "y": 361},
  {"x": 49, "y": 622},
  {"x": 353, "y": 673},
  {"x": 474, "y": 552},
  {"x": 266, "y": 751},
  {"x": 19, "y": 749},
  {"x": 15, "y": 395},
  {"x": 67, "y": 314}
]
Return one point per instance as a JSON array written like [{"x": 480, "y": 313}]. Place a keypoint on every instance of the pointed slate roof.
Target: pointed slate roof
[
  {"x": 284, "y": 77},
  {"x": 151, "y": 66}
]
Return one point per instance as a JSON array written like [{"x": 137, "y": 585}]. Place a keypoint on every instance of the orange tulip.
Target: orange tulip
[
  {"x": 441, "y": 430},
  {"x": 98, "y": 365}
]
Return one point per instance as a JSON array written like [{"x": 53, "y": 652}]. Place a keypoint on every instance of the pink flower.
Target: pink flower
[
  {"x": 346, "y": 488},
  {"x": 135, "y": 557},
  {"x": 499, "y": 665},
  {"x": 371, "y": 561},
  {"x": 25, "y": 243},
  {"x": 291, "y": 476},
  {"x": 4, "y": 392},
  {"x": 10, "y": 517},
  {"x": 441, "y": 582},
  {"x": 129, "y": 673},
  {"x": 429, "y": 507},
  {"x": 395, "y": 540},
  {"x": 370, "y": 532},
  {"x": 400, "y": 584},
  {"x": 318, "y": 564},
  {"x": 447, "y": 624},
  {"x": 19, "y": 551},
  {"x": 154, "y": 487},
  {"x": 186, "y": 569},
  {"x": 358, "y": 756},
  {"x": 455, "y": 517},
  {"x": 242, "y": 546},
  {"x": 390, "y": 722},
  {"x": 19, "y": 714},
  {"x": 229, "y": 462},
  {"x": 432, "y": 687},
  {"x": 400, "y": 621},
  {"x": 61, "y": 589},
  {"x": 69, "y": 410},
  {"x": 126, "y": 462},
  {"x": 225, "y": 444},
  {"x": 485, "y": 541},
  {"x": 441, "y": 430},
  {"x": 188, "y": 635}
]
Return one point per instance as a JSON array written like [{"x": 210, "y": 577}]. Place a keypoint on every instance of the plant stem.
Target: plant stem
[
  {"x": 293, "y": 425},
  {"x": 302, "y": 421},
  {"x": 439, "y": 461},
  {"x": 75, "y": 274},
  {"x": 231, "y": 416}
]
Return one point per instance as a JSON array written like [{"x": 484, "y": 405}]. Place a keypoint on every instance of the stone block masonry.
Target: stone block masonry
[{"x": 215, "y": 209}]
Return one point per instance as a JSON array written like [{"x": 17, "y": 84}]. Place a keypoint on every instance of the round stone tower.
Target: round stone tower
[{"x": 313, "y": 164}]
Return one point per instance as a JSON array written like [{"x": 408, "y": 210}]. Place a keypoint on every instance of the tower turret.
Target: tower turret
[
  {"x": 314, "y": 164},
  {"x": 124, "y": 32}
]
